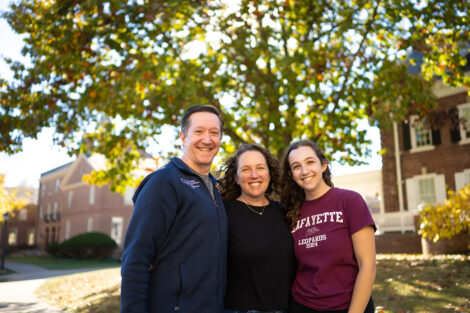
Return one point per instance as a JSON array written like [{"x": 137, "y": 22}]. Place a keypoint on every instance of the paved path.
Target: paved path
[{"x": 17, "y": 294}]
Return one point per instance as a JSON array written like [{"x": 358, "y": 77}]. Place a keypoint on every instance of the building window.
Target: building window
[
  {"x": 128, "y": 195},
  {"x": 462, "y": 179},
  {"x": 90, "y": 224},
  {"x": 423, "y": 189},
  {"x": 427, "y": 190},
  {"x": 421, "y": 136},
  {"x": 116, "y": 229},
  {"x": 464, "y": 116},
  {"x": 57, "y": 184},
  {"x": 47, "y": 237},
  {"x": 92, "y": 195},
  {"x": 12, "y": 236},
  {"x": 30, "y": 237},
  {"x": 67, "y": 229},
  {"x": 54, "y": 213},
  {"x": 23, "y": 216},
  {"x": 69, "y": 199},
  {"x": 43, "y": 190}
]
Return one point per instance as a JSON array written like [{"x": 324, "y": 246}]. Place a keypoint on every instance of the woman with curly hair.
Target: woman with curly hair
[
  {"x": 333, "y": 234},
  {"x": 260, "y": 257}
]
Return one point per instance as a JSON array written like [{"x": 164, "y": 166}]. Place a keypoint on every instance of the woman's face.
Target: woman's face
[
  {"x": 252, "y": 175},
  {"x": 307, "y": 171}
]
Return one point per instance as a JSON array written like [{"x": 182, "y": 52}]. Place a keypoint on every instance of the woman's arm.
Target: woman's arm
[{"x": 364, "y": 250}]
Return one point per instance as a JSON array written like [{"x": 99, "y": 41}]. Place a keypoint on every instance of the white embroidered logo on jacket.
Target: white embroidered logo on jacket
[{"x": 191, "y": 182}]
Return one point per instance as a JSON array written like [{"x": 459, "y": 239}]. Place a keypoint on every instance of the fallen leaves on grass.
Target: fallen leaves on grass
[{"x": 93, "y": 292}]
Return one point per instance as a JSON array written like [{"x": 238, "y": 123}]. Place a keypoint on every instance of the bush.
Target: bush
[
  {"x": 448, "y": 219},
  {"x": 88, "y": 245},
  {"x": 53, "y": 249}
]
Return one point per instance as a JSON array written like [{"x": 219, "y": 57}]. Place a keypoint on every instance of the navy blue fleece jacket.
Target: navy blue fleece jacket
[{"x": 182, "y": 231}]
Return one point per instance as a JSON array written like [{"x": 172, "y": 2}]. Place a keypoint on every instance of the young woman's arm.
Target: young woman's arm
[{"x": 364, "y": 250}]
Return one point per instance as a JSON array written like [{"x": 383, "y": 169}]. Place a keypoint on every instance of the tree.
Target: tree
[
  {"x": 278, "y": 70},
  {"x": 448, "y": 219},
  {"x": 9, "y": 202}
]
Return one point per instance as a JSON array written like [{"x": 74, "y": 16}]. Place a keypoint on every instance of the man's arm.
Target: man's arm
[{"x": 154, "y": 213}]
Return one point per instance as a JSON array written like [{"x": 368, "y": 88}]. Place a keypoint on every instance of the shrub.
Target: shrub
[
  {"x": 53, "y": 249},
  {"x": 88, "y": 245},
  {"x": 448, "y": 219}
]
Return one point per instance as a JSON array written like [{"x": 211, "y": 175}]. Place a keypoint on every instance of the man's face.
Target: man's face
[{"x": 202, "y": 141}]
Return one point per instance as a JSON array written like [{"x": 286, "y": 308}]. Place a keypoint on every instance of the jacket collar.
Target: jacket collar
[{"x": 186, "y": 169}]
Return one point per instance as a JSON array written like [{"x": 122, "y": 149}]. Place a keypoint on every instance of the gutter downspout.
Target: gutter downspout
[{"x": 398, "y": 167}]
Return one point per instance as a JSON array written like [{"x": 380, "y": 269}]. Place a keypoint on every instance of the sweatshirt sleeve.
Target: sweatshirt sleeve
[
  {"x": 154, "y": 213},
  {"x": 358, "y": 214}
]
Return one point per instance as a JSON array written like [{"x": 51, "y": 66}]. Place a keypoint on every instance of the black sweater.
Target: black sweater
[{"x": 260, "y": 258}]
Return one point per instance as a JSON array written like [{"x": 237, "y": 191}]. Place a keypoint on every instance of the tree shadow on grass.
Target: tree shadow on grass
[{"x": 422, "y": 287}]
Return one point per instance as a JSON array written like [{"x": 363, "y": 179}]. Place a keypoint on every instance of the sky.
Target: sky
[{"x": 41, "y": 155}]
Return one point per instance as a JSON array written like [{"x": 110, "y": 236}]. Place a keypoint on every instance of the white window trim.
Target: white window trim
[
  {"x": 117, "y": 237},
  {"x": 89, "y": 227},
  {"x": 69, "y": 199},
  {"x": 91, "y": 191},
  {"x": 12, "y": 236},
  {"x": 30, "y": 237},
  {"x": 463, "y": 139},
  {"x": 412, "y": 192},
  {"x": 67, "y": 229},
  {"x": 414, "y": 148},
  {"x": 460, "y": 179},
  {"x": 57, "y": 185}
]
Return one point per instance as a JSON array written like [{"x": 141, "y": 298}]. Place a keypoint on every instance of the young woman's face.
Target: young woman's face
[
  {"x": 307, "y": 171},
  {"x": 252, "y": 175}
]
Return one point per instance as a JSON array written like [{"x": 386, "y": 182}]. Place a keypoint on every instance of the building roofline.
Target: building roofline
[{"x": 56, "y": 169}]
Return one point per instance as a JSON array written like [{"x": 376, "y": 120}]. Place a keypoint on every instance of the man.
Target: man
[{"x": 175, "y": 248}]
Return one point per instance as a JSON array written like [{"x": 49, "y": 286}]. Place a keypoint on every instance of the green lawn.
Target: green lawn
[
  {"x": 404, "y": 283},
  {"x": 407, "y": 283},
  {"x": 52, "y": 263}
]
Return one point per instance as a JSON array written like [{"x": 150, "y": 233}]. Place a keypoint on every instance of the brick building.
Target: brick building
[
  {"x": 21, "y": 226},
  {"x": 68, "y": 206},
  {"x": 422, "y": 160}
]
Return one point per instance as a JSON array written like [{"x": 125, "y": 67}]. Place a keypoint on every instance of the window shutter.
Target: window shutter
[
  {"x": 454, "y": 125},
  {"x": 440, "y": 183},
  {"x": 411, "y": 195},
  {"x": 436, "y": 137},
  {"x": 405, "y": 127}
]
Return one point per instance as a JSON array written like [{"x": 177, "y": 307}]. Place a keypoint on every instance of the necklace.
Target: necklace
[{"x": 255, "y": 211}]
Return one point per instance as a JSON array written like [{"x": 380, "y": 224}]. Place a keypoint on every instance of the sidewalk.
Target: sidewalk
[
  {"x": 17, "y": 294},
  {"x": 28, "y": 271}
]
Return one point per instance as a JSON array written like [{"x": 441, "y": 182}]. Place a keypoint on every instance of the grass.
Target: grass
[
  {"x": 411, "y": 283},
  {"x": 52, "y": 263},
  {"x": 404, "y": 283},
  {"x": 96, "y": 291}
]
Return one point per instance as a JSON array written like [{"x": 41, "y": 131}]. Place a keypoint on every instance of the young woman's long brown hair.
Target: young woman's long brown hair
[
  {"x": 292, "y": 195},
  {"x": 229, "y": 189}
]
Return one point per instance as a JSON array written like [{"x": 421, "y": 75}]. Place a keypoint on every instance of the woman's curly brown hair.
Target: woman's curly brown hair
[
  {"x": 292, "y": 195},
  {"x": 229, "y": 189}
]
